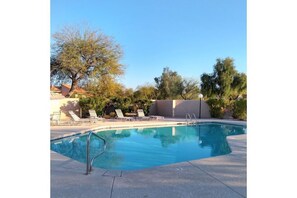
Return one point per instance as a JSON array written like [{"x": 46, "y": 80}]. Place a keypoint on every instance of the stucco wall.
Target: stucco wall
[
  {"x": 153, "y": 108},
  {"x": 182, "y": 107},
  {"x": 164, "y": 108},
  {"x": 179, "y": 108},
  {"x": 65, "y": 105}
]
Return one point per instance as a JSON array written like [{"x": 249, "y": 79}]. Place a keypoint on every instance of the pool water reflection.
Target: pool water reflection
[{"x": 132, "y": 149}]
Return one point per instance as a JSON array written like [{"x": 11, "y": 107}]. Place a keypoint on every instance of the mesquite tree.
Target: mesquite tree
[{"x": 82, "y": 55}]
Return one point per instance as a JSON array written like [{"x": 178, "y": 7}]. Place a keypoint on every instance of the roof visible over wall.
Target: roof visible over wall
[
  {"x": 55, "y": 89},
  {"x": 77, "y": 90},
  {"x": 56, "y": 93},
  {"x": 64, "y": 90}
]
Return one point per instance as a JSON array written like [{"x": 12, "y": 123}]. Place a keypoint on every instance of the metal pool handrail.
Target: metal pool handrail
[
  {"x": 90, "y": 162},
  {"x": 195, "y": 118},
  {"x": 189, "y": 117}
]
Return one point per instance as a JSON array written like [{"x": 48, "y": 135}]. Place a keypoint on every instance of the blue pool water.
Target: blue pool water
[{"x": 139, "y": 148}]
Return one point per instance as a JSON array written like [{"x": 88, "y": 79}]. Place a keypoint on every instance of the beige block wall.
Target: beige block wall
[
  {"x": 179, "y": 108},
  {"x": 153, "y": 108},
  {"x": 164, "y": 108},
  {"x": 64, "y": 105},
  {"x": 205, "y": 113},
  {"x": 182, "y": 107}
]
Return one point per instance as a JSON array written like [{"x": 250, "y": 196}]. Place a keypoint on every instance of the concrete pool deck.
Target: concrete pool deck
[{"x": 221, "y": 176}]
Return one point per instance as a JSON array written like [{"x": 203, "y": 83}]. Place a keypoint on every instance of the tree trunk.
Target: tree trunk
[{"x": 72, "y": 88}]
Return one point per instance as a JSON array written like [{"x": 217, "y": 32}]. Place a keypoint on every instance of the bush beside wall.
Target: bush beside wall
[
  {"x": 216, "y": 107},
  {"x": 240, "y": 109},
  {"x": 92, "y": 103}
]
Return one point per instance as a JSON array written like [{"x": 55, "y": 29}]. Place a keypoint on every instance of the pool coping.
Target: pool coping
[{"x": 217, "y": 171}]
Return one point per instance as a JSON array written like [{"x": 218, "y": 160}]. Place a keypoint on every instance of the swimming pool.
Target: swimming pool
[{"x": 139, "y": 148}]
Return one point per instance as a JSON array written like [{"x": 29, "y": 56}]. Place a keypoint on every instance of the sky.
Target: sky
[{"x": 186, "y": 36}]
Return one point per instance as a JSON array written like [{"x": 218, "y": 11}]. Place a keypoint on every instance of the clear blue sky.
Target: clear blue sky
[{"x": 185, "y": 35}]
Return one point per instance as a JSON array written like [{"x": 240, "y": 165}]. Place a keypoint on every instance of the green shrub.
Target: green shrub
[
  {"x": 144, "y": 104},
  {"x": 240, "y": 109},
  {"x": 92, "y": 103},
  {"x": 216, "y": 107},
  {"x": 122, "y": 103},
  {"x": 128, "y": 106}
]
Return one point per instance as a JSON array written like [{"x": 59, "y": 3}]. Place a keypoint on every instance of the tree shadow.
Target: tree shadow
[{"x": 70, "y": 106}]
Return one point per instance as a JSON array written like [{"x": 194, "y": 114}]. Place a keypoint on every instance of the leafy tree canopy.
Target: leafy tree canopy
[
  {"x": 81, "y": 55},
  {"x": 105, "y": 87},
  {"x": 146, "y": 92},
  {"x": 225, "y": 82},
  {"x": 190, "y": 89},
  {"x": 169, "y": 84}
]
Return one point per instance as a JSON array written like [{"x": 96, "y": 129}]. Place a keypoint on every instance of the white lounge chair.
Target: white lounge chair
[
  {"x": 93, "y": 116},
  {"x": 77, "y": 119},
  {"x": 55, "y": 117},
  {"x": 121, "y": 116},
  {"x": 141, "y": 115}
]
